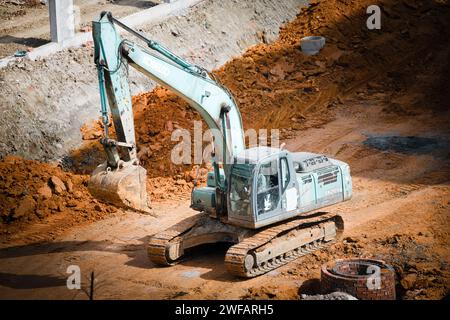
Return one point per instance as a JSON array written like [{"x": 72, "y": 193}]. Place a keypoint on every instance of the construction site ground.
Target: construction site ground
[{"x": 378, "y": 100}]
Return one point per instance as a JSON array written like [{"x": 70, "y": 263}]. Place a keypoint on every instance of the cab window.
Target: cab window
[
  {"x": 268, "y": 191},
  {"x": 240, "y": 190}
]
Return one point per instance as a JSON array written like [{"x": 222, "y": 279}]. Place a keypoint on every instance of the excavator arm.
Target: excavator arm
[
  {"x": 215, "y": 105},
  {"x": 208, "y": 97}
]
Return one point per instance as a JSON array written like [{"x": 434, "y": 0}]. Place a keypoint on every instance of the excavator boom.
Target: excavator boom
[{"x": 120, "y": 180}]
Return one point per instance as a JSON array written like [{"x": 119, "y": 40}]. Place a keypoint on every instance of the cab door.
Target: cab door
[{"x": 268, "y": 190}]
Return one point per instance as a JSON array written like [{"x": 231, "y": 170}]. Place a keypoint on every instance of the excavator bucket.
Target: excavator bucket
[{"x": 124, "y": 187}]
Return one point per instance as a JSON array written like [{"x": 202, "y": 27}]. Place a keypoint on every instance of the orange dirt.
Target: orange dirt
[
  {"x": 157, "y": 115},
  {"x": 32, "y": 192},
  {"x": 276, "y": 86}
]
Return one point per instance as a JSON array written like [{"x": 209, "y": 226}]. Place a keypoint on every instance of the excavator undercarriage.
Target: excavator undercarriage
[{"x": 254, "y": 252}]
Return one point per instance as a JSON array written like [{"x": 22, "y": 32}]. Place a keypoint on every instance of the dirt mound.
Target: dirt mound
[
  {"x": 31, "y": 191},
  {"x": 272, "y": 292},
  {"x": 279, "y": 87},
  {"x": 17, "y": 8},
  {"x": 157, "y": 114}
]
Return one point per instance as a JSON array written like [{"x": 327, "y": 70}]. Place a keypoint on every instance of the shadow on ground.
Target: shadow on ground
[
  {"x": 30, "y": 281},
  {"x": 141, "y": 4},
  {"x": 137, "y": 253},
  {"x": 30, "y": 42}
]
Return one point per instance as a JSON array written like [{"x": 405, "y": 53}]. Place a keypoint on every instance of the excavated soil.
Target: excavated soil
[
  {"x": 278, "y": 87},
  {"x": 32, "y": 192},
  {"x": 375, "y": 99}
]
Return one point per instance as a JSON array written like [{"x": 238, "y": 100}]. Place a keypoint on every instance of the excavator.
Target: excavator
[{"x": 263, "y": 200}]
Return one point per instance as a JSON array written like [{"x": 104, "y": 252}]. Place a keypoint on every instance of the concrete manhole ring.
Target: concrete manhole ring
[{"x": 365, "y": 279}]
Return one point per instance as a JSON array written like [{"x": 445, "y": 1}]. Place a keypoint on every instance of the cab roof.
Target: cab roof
[{"x": 255, "y": 154}]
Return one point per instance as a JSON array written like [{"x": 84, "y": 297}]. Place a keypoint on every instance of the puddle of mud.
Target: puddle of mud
[{"x": 409, "y": 144}]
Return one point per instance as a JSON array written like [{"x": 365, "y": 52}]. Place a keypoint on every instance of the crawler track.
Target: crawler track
[
  {"x": 159, "y": 243},
  {"x": 235, "y": 259}
]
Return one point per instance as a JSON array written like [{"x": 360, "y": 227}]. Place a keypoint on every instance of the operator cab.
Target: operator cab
[
  {"x": 261, "y": 187},
  {"x": 268, "y": 185}
]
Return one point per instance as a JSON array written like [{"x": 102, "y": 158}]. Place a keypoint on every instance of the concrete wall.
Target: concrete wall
[{"x": 45, "y": 102}]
